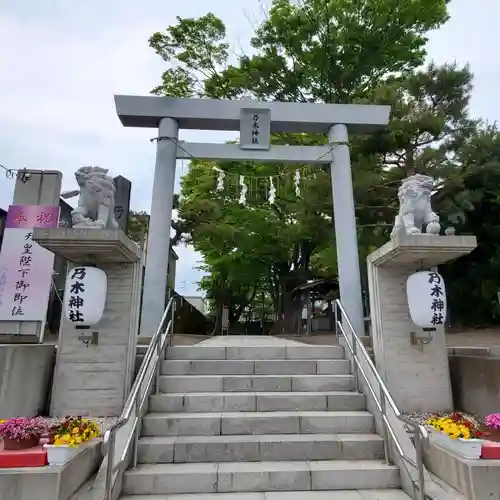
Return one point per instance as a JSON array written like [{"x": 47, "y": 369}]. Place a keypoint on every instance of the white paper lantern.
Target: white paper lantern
[
  {"x": 85, "y": 295},
  {"x": 426, "y": 299}
]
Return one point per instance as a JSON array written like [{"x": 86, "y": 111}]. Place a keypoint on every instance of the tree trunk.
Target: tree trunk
[
  {"x": 292, "y": 313},
  {"x": 218, "y": 319},
  {"x": 278, "y": 310},
  {"x": 410, "y": 161}
]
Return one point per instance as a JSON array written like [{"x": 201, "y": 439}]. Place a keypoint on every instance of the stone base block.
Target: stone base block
[
  {"x": 50, "y": 483},
  {"x": 422, "y": 249},
  {"x": 84, "y": 246},
  {"x": 417, "y": 375},
  {"x": 94, "y": 379}
]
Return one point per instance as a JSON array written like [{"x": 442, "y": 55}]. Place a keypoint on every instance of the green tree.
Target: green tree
[
  {"x": 138, "y": 225},
  {"x": 429, "y": 123},
  {"x": 470, "y": 201},
  {"x": 309, "y": 51},
  {"x": 304, "y": 51},
  {"x": 261, "y": 239}
]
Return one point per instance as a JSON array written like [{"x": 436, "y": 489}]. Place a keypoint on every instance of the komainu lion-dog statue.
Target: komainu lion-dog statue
[
  {"x": 415, "y": 212},
  {"x": 96, "y": 204}
]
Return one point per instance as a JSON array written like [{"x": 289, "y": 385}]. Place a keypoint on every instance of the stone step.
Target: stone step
[
  {"x": 256, "y": 401},
  {"x": 255, "y": 383},
  {"x": 256, "y": 367},
  {"x": 294, "y": 422},
  {"x": 260, "y": 477},
  {"x": 391, "y": 494},
  {"x": 256, "y": 352},
  {"x": 255, "y": 448}
]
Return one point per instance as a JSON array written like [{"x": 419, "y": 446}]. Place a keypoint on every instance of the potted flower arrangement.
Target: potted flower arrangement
[
  {"x": 492, "y": 426},
  {"x": 22, "y": 433},
  {"x": 458, "y": 434},
  {"x": 67, "y": 439}
]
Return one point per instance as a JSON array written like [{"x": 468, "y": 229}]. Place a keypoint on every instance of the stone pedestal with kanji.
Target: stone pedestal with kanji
[
  {"x": 94, "y": 367},
  {"x": 416, "y": 373}
]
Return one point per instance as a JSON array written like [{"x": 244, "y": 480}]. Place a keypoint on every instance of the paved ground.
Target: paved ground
[
  {"x": 249, "y": 340},
  {"x": 477, "y": 338}
]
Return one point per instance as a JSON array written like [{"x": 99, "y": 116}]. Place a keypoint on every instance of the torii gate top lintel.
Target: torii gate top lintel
[
  {"x": 223, "y": 114},
  {"x": 168, "y": 115}
]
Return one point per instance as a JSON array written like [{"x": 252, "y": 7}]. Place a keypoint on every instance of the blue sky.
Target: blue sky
[{"x": 62, "y": 61}]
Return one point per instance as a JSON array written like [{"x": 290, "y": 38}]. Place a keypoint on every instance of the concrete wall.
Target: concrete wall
[
  {"x": 172, "y": 265},
  {"x": 475, "y": 479},
  {"x": 476, "y": 383},
  {"x": 25, "y": 374}
]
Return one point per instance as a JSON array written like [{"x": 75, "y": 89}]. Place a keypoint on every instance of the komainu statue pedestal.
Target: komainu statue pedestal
[
  {"x": 417, "y": 375},
  {"x": 93, "y": 377}
]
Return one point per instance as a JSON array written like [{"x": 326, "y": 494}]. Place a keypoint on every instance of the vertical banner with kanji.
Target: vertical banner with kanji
[
  {"x": 25, "y": 267},
  {"x": 225, "y": 318}
]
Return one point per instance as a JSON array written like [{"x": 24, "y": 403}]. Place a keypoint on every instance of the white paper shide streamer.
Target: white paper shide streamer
[
  {"x": 244, "y": 190},
  {"x": 272, "y": 192},
  {"x": 297, "y": 183},
  {"x": 220, "y": 179}
]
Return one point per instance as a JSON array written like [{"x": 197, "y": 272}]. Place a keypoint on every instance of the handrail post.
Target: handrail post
[
  {"x": 385, "y": 434},
  {"x": 135, "y": 400},
  {"x": 355, "y": 362},
  {"x": 158, "y": 365},
  {"x": 174, "y": 306},
  {"x": 420, "y": 464},
  {"x": 336, "y": 312},
  {"x": 384, "y": 399},
  {"x": 108, "y": 492},
  {"x": 137, "y": 431}
]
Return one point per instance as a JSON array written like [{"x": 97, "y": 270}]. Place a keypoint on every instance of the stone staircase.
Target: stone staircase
[{"x": 259, "y": 419}]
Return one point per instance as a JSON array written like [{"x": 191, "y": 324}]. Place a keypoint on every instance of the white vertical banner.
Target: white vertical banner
[
  {"x": 25, "y": 267},
  {"x": 225, "y": 317}
]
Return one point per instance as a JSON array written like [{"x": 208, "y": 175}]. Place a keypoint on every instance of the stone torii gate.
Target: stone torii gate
[{"x": 169, "y": 115}]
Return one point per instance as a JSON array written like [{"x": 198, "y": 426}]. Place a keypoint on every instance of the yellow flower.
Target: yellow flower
[
  {"x": 61, "y": 440},
  {"x": 450, "y": 427}
]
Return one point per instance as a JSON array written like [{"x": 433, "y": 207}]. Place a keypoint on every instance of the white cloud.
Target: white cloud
[
  {"x": 63, "y": 66},
  {"x": 62, "y": 61},
  {"x": 472, "y": 36}
]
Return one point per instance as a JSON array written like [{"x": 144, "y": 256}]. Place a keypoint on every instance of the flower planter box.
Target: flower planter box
[
  {"x": 490, "y": 450},
  {"x": 491, "y": 434},
  {"x": 467, "y": 448},
  {"x": 59, "y": 455},
  {"x": 20, "y": 444}
]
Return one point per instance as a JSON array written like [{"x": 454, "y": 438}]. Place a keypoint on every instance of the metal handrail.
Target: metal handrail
[
  {"x": 381, "y": 401},
  {"x": 134, "y": 399}
]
